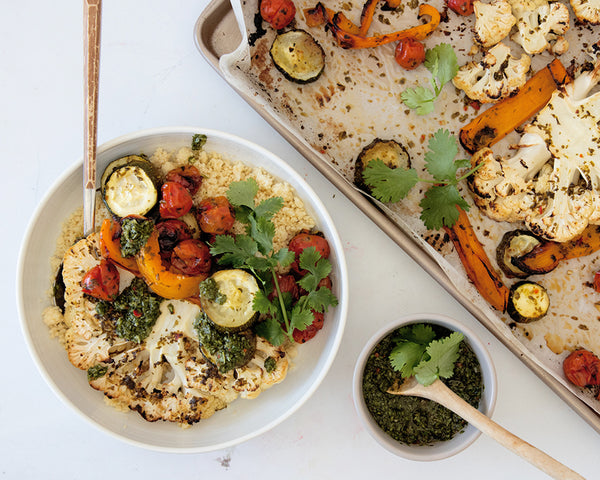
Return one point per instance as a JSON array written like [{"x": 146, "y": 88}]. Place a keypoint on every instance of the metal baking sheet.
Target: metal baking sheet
[{"x": 217, "y": 33}]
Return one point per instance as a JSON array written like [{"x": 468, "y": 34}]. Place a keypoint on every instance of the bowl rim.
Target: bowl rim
[
  {"x": 423, "y": 453},
  {"x": 315, "y": 200}
]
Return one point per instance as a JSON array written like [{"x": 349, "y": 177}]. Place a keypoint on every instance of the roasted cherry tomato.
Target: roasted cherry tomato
[
  {"x": 102, "y": 281},
  {"x": 279, "y": 13},
  {"x": 215, "y": 215},
  {"x": 582, "y": 367},
  {"x": 597, "y": 281},
  {"x": 287, "y": 284},
  {"x": 303, "y": 241},
  {"x": 191, "y": 257},
  {"x": 303, "y": 336},
  {"x": 170, "y": 233},
  {"x": 176, "y": 201},
  {"x": 410, "y": 53},
  {"x": 188, "y": 176},
  {"x": 462, "y": 7}
]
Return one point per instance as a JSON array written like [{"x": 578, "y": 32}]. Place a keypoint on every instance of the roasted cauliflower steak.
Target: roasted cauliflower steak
[
  {"x": 165, "y": 377},
  {"x": 552, "y": 183}
]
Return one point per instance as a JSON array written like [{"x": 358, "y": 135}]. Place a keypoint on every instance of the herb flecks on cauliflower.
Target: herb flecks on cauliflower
[
  {"x": 165, "y": 377},
  {"x": 587, "y": 11},
  {"x": 552, "y": 183},
  {"x": 497, "y": 76},
  {"x": 541, "y": 26},
  {"x": 493, "y": 22}
]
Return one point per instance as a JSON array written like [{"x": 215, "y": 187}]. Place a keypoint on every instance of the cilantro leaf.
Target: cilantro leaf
[
  {"x": 405, "y": 356},
  {"x": 268, "y": 207},
  {"x": 320, "y": 299},
  {"x": 442, "y": 64},
  {"x": 441, "y": 61},
  {"x": 439, "y": 206},
  {"x": 421, "y": 333},
  {"x": 318, "y": 268},
  {"x": 443, "y": 354},
  {"x": 439, "y": 159},
  {"x": 389, "y": 184},
  {"x": 262, "y": 231},
  {"x": 300, "y": 318},
  {"x": 270, "y": 329},
  {"x": 419, "y": 98},
  {"x": 236, "y": 251},
  {"x": 242, "y": 193},
  {"x": 284, "y": 257}
]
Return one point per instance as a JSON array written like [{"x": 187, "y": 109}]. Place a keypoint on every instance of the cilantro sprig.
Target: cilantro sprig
[
  {"x": 442, "y": 64},
  {"x": 418, "y": 353},
  {"x": 439, "y": 205},
  {"x": 254, "y": 251}
]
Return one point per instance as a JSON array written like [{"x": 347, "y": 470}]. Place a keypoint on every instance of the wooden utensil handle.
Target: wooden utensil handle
[
  {"x": 92, "y": 15},
  {"x": 533, "y": 455}
]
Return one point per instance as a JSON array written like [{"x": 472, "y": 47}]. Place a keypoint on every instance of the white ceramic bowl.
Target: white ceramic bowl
[
  {"x": 441, "y": 449},
  {"x": 243, "y": 419}
]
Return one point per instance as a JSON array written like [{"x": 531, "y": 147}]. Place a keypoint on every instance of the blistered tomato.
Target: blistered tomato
[
  {"x": 215, "y": 215},
  {"x": 302, "y": 241},
  {"x": 188, "y": 176},
  {"x": 581, "y": 368},
  {"x": 176, "y": 201},
  {"x": 279, "y": 13},
  {"x": 462, "y": 7},
  {"x": 102, "y": 281},
  {"x": 191, "y": 257},
  {"x": 410, "y": 53}
]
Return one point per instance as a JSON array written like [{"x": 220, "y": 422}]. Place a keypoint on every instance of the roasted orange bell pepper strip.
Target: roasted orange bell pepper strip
[
  {"x": 161, "y": 281},
  {"x": 420, "y": 32},
  {"x": 366, "y": 17},
  {"x": 477, "y": 264},
  {"x": 546, "y": 256},
  {"x": 493, "y": 124},
  {"x": 110, "y": 246},
  {"x": 321, "y": 15}
]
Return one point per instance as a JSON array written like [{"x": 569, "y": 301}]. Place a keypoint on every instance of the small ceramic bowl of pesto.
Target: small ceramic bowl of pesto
[{"x": 420, "y": 344}]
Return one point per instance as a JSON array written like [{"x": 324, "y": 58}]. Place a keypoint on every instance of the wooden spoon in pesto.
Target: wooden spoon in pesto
[{"x": 440, "y": 393}]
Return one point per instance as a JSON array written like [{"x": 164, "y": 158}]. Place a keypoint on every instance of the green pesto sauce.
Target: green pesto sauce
[
  {"x": 210, "y": 291},
  {"x": 96, "y": 372},
  {"x": 414, "y": 420},
  {"x": 134, "y": 235},
  {"x": 270, "y": 364},
  {"x": 227, "y": 350},
  {"x": 133, "y": 312}
]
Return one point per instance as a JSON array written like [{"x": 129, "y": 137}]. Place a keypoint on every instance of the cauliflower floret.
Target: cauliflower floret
[
  {"x": 552, "y": 183},
  {"x": 493, "y": 22},
  {"x": 496, "y": 76},
  {"x": 165, "y": 376},
  {"x": 541, "y": 26},
  {"x": 586, "y": 10}
]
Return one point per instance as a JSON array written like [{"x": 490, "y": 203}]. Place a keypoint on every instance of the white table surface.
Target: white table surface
[{"x": 152, "y": 75}]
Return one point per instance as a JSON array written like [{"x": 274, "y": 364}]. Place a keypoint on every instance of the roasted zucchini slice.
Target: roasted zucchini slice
[
  {"x": 515, "y": 244},
  {"x": 527, "y": 302},
  {"x": 225, "y": 350},
  {"x": 129, "y": 186},
  {"x": 390, "y": 152},
  {"x": 227, "y": 298},
  {"x": 298, "y": 56}
]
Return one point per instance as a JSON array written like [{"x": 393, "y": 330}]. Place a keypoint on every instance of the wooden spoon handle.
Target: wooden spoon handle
[
  {"x": 92, "y": 14},
  {"x": 443, "y": 395}
]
